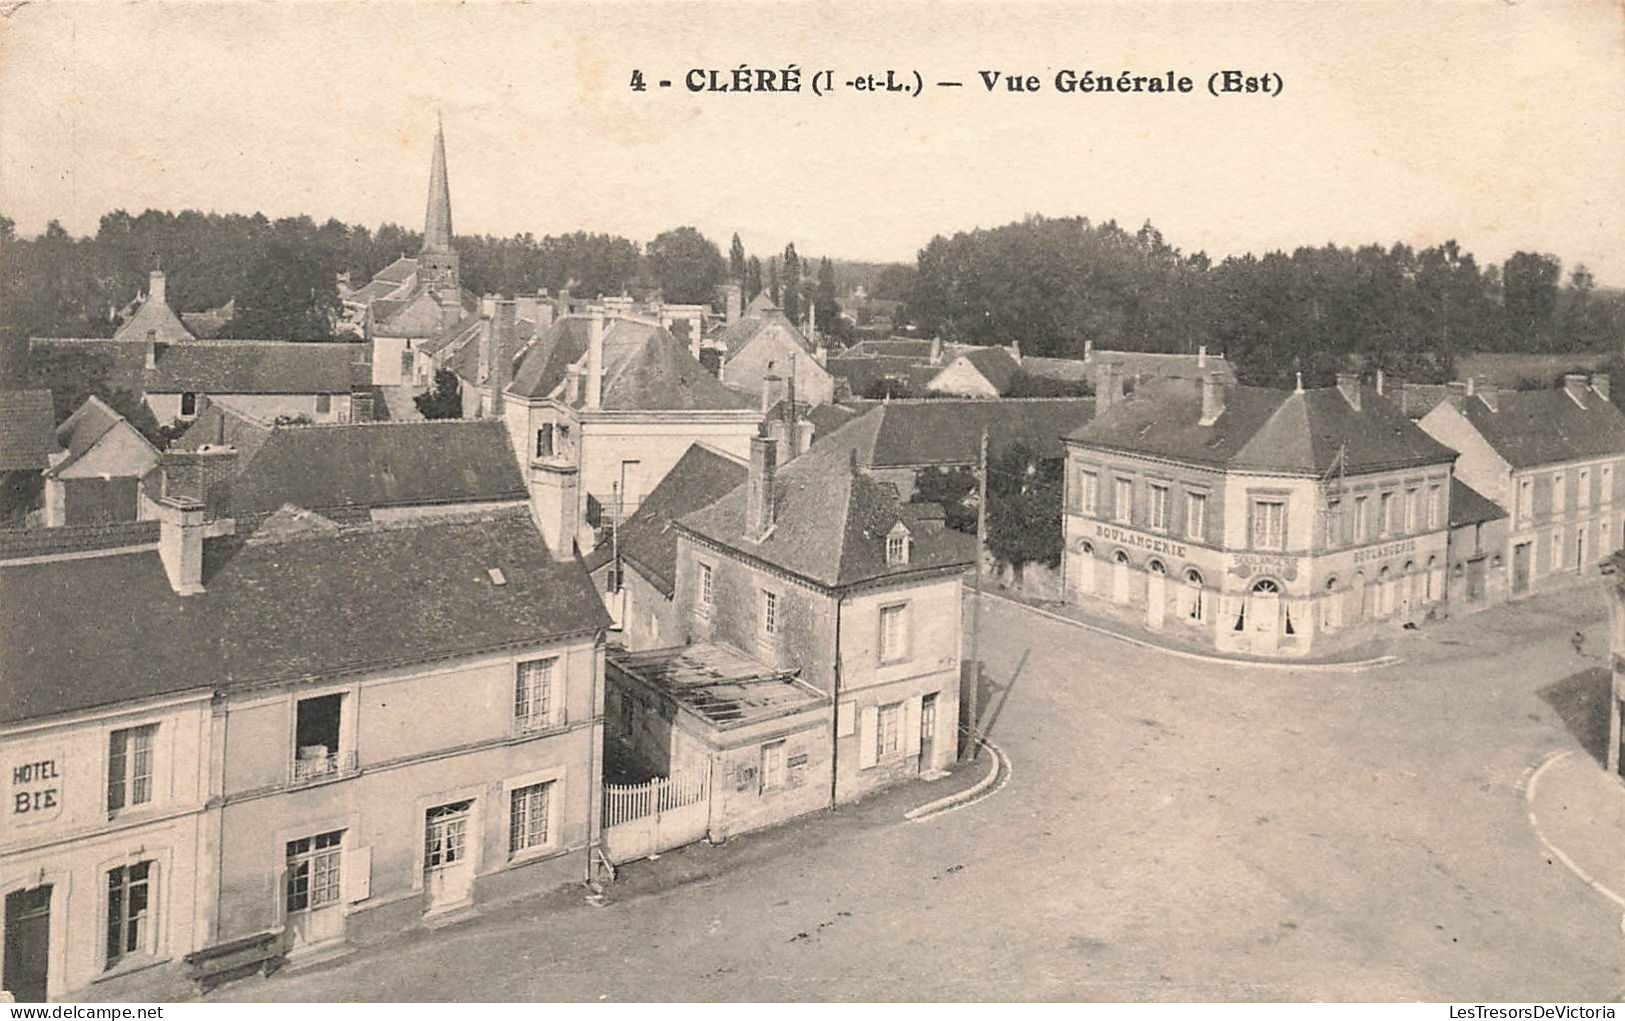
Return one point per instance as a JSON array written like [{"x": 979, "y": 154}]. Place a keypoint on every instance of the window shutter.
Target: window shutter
[
  {"x": 279, "y": 893},
  {"x": 911, "y": 726},
  {"x": 846, "y": 718},
  {"x": 904, "y": 647},
  {"x": 866, "y": 737},
  {"x": 357, "y": 874},
  {"x": 557, "y": 710}
]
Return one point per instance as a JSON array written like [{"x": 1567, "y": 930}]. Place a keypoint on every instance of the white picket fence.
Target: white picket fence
[{"x": 666, "y": 812}]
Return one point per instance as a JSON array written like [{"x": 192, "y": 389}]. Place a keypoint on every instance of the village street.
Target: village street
[{"x": 1172, "y": 830}]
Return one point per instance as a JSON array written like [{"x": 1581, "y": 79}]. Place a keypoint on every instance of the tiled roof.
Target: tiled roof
[
  {"x": 1065, "y": 370},
  {"x": 1536, "y": 427},
  {"x": 418, "y": 315},
  {"x": 81, "y": 431},
  {"x": 993, "y": 363},
  {"x": 208, "y": 324},
  {"x": 1293, "y": 433},
  {"x": 645, "y": 368},
  {"x": 157, "y": 318},
  {"x": 1417, "y": 399},
  {"x": 898, "y": 347},
  {"x": 124, "y": 361},
  {"x": 398, "y": 272},
  {"x": 863, "y": 371},
  {"x": 744, "y": 330},
  {"x": 1470, "y": 507},
  {"x": 324, "y": 468},
  {"x": 27, "y": 429},
  {"x": 254, "y": 367},
  {"x": 760, "y": 303},
  {"x": 945, "y": 432},
  {"x": 647, "y": 540},
  {"x": 831, "y": 524},
  {"x": 1157, "y": 365},
  {"x": 101, "y": 630}
]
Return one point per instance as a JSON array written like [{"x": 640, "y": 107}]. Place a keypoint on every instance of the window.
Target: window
[
  {"x": 527, "y": 817},
  {"x": 1413, "y": 510},
  {"x": 533, "y": 694},
  {"x": 129, "y": 767},
  {"x": 1557, "y": 550},
  {"x": 316, "y": 736},
  {"x": 1334, "y": 521},
  {"x": 324, "y": 404},
  {"x": 1360, "y": 522},
  {"x": 1196, "y": 515},
  {"x": 544, "y": 440},
  {"x": 889, "y": 730},
  {"x": 1606, "y": 485},
  {"x": 1582, "y": 491},
  {"x": 129, "y": 896},
  {"x": 1090, "y": 492},
  {"x": 1559, "y": 493},
  {"x": 772, "y": 772},
  {"x": 1435, "y": 506},
  {"x": 445, "y": 837},
  {"x": 1269, "y": 524},
  {"x": 313, "y": 871},
  {"x": 705, "y": 589},
  {"x": 188, "y": 404},
  {"x": 897, "y": 544},
  {"x": 1123, "y": 507},
  {"x": 1159, "y": 507},
  {"x": 1385, "y": 513},
  {"x": 1526, "y": 500},
  {"x": 770, "y": 614},
  {"x": 893, "y": 633},
  {"x": 1193, "y": 586}
]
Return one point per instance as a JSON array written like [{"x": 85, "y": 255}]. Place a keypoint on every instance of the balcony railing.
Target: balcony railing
[{"x": 310, "y": 768}]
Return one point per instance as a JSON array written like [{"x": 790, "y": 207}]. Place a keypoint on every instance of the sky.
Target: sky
[{"x": 1497, "y": 124}]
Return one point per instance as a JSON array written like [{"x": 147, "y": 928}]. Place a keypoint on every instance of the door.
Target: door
[
  {"x": 1475, "y": 580},
  {"x": 28, "y": 943},
  {"x": 448, "y": 871},
  {"x": 1520, "y": 567},
  {"x": 928, "y": 730},
  {"x": 1084, "y": 584},
  {"x": 314, "y": 888},
  {"x": 1264, "y": 614},
  {"x": 1120, "y": 578},
  {"x": 1156, "y": 596}
]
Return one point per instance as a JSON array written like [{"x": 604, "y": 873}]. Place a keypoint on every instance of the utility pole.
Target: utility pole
[{"x": 973, "y": 694}]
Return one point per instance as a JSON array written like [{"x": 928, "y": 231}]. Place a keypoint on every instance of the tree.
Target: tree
[
  {"x": 791, "y": 284},
  {"x": 1529, "y": 285},
  {"x": 887, "y": 387},
  {"x": 445, "y": 400},
  {"x": 824, "y": 300},
  {"x": 687, "y": 267},
  {"x": 1024, "y": 508},
  {"x": 753, "y": 278},
  {"x": 773, "y": 282},
  {"x": 291, "y": 289},
  {"x": 736, "y": 261},
  {"x": 955, "y": 490},
  {"x": 74, "y": 375}
]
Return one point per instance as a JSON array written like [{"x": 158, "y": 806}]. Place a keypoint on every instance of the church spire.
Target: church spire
[{"x": 437, "y": 219}]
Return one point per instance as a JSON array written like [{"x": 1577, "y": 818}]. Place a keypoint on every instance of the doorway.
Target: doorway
[
  {"x": 28, "y": 943},
  {"x": 928, "y": 730},
  {"x": 448, "y": 871},
  {"x": 1475, "y": 579},
  {"x": 1156, "y": 594},
  {"x": 1520, "y": 567},
  {"x": 1120, "y": 576},
  {"x": 314, "y": 885}
]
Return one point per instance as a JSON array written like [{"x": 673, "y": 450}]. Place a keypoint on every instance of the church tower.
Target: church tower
[{"x": 437, "y": 262}]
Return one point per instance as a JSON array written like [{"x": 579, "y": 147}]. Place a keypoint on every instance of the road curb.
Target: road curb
[
  {"x": 971, "y": 795},
  {"x": 1376, "y": 662},
  {"x": 1529, "y": 789}
]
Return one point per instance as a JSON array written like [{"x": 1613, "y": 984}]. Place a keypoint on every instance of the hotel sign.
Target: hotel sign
[
  {"x": 35, "y": 793},
  {"x": 1140, "y": 540},
  {"x": 1383, "y": 552}
]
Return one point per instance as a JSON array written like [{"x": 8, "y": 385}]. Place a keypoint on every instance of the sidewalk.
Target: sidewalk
[{"x": 1578, "y": 812}]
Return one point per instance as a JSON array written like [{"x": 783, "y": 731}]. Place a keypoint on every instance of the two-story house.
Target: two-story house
[
  {"x": 1261, "y": 521},
  {"x": 816, "y": 564},
  {"x": 1554, "y": 460}
]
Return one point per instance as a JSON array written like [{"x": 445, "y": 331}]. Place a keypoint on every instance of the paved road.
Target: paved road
[{"x": 1172, "y": 830}]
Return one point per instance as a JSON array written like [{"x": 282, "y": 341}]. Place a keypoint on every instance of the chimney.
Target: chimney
[
  {"x": 812, "y": 323},
  {"x": 202, "y": 476},
  {"x": 1201, "y": 356},
  {"x": 595, "y": 360},
  {"x": 572, "y": 385},
  {"x": 564, "y": 302},
  {"x": 361, "y": 406},
  {"x": 155, "y": 287},
  {"x": 180, "y": 543},
  {"x": 1490, "y": 394},
  {"x": 1088, "y": 350},
  {"x": 733, "y": 303},
  {"x": 1348, "y": 384},
  {"x": 1110, "y": 388},
  {"x": 1599, "y": 383},
  {"x": 770, "y": 392},
  {"x": 1469, "y": 386},
  {"x": 555, "y": 495},
  {"x": 1574, "y": 384},
  {"x": 488, "y": 306},
  {"x": 759, "y": 491},
  {"x": 152, "y": 349},
  {"x": 502, "y": 344},
  {"x": 1456, "y": 393},
  {"x": 1015, "y": 351},
  {"x": 804, "y": 436},
  {"x": 936, "y": 350},
  {"x": 1212, "y": 398},
  {"x": 1379, "y": 383}
]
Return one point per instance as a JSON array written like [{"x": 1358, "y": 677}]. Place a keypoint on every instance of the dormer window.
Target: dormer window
[{"x": 897, "y": 545}]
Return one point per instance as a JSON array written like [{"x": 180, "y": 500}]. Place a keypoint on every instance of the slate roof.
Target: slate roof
[
  {"x": 1535, "y": 427},
  {"x": 1159, "y": 365},
  {"x": 155, "y": 317},
  {"x": 894, "y": 348},
  {"x": 363, "y": 465},
  {"x": 81, "y": 431},
  {"x": 27, "y": 430},
  {"x": 254, "y": 367},
  {"x": 647, "y": 540},
  {"x": 863, "y": 371},
  {"x": 1290, "y": 433},
  {"x": 831, "y": 524},
  {"x": 1470, "y": 507},
  {"x": 744, "y": 330},
  {"x": 1065, "y": 370},
  {"x": 96, "y": 631},
  {"x": 418, "y": 314},
  {"x": 993, "y": 363},
  {"x": 945, "y": 432},
  {"x": 125, "y": 360},
  {"x": 645, "y": 368},
  {"x": 207, "y": 325},
  {"x": 761, "y": 303}
]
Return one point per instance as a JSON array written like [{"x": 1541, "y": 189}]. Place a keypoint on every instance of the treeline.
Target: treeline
[{"x": 1056, "y": 283}]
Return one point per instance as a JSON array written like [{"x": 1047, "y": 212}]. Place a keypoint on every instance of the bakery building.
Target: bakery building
[{"x": 1263, "y": 522}]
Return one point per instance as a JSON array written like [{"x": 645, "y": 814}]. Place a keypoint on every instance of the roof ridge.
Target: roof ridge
[
  {"x": 337, "y": 344},
  {"x": 419, "y": 422}
]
